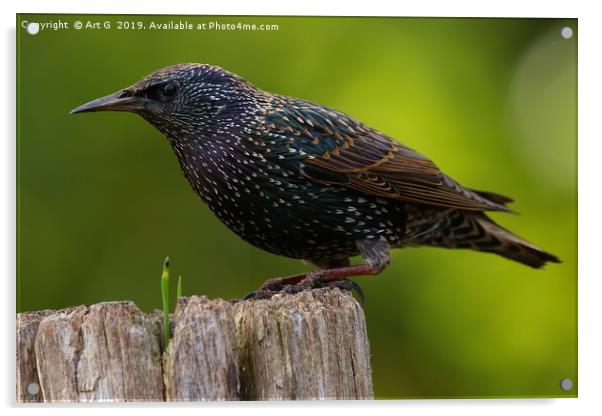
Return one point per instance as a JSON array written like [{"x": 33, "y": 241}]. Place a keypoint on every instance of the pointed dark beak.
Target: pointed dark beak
[{"x": 119, "y": 101}]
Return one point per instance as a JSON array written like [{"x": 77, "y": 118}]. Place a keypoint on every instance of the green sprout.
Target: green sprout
[{"x": 165, "y": 295}]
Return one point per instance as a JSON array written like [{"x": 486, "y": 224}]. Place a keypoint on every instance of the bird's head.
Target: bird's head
[{"x": 182, "y": 98}]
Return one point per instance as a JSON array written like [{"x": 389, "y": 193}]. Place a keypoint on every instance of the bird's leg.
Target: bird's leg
[{"x": 376, "y": 256}]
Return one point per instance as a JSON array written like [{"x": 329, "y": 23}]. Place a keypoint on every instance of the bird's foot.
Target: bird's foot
[{"x": 296, "y": 284}]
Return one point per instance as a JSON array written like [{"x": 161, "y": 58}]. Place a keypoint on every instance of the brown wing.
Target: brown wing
[{"x": 338, "y": 149}]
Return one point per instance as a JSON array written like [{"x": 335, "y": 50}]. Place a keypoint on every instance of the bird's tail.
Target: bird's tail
[{"x": 478, "y": 232}]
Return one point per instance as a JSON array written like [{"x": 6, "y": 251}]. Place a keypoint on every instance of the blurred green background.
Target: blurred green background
[{"x": 101, "y": 200}]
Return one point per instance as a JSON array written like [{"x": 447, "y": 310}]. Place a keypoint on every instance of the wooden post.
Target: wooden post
[
  {"x": 201, "y": 361},
  {"x": 107, "y": 352},
  {"x": 309, "y": 346},
  {"x": 312, "y": 345},
  {"x": 28, "y": 383}
]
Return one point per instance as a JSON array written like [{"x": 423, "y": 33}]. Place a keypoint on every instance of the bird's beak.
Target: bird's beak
[{"x": 119, "y": 101}]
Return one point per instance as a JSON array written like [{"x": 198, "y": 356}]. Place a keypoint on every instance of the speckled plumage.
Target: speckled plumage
[{"x": 304, "y": 181}]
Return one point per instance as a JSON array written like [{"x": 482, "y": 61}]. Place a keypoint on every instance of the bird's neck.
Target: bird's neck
[{"x": 212, "y": 159}]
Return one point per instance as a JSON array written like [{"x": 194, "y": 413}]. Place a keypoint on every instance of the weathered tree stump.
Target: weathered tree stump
[
  {"x": 27, "y": 370},
  {"x": 201, "y": 361},
  {"x": 309, "y": 346},
  {"x": 312, "y": 345}
]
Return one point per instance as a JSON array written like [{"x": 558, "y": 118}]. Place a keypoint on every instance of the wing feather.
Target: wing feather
[{"x": 337, "y": 149}]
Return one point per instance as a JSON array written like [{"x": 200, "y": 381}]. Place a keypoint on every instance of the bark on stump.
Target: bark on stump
[{"x": 312, "y": 345}]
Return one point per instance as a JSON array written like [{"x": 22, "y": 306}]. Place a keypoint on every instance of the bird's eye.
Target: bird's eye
[
  {"x": 169, "y": 89},
  {"x": 159, "y": 92}
]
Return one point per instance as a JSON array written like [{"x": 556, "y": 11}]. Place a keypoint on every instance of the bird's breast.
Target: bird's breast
[{"x": 283, "y": 212}]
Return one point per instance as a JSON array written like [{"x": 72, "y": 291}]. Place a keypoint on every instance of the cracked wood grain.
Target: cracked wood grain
[{"x": 311, "y": 345}]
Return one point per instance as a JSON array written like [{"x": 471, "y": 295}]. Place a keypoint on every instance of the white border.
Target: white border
[
  {"x": 590, "y": 218},
  {"x": 508, "y": 8}
]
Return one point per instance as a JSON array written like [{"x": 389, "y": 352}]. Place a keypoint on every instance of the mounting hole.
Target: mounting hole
[
  {"x": 566, "y": 384},
  {"x": 32, "y": 28},
  {"x": 33, "y": 388},
  {"x": 566, "y": 32}
]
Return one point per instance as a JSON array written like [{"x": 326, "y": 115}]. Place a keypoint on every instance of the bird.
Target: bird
[{"x": 305, "y": 181}]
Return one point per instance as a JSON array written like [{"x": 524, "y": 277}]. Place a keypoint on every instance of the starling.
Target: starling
[{"x": 302, "y": 180}]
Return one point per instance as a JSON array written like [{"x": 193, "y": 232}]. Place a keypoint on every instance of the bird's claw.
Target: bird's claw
[
  {"x": 312, "y": 281},
  {"x": 259, "y": 294}
]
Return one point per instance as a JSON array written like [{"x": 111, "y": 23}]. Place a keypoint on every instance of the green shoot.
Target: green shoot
[
  {"x": 165, "y": 295},
  {"x": 179, "y": 288}
]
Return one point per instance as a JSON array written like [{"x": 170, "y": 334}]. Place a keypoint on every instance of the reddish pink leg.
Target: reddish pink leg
[
  {"x": 340, "y": 273},
  {"x": 376, "y": 257}
]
